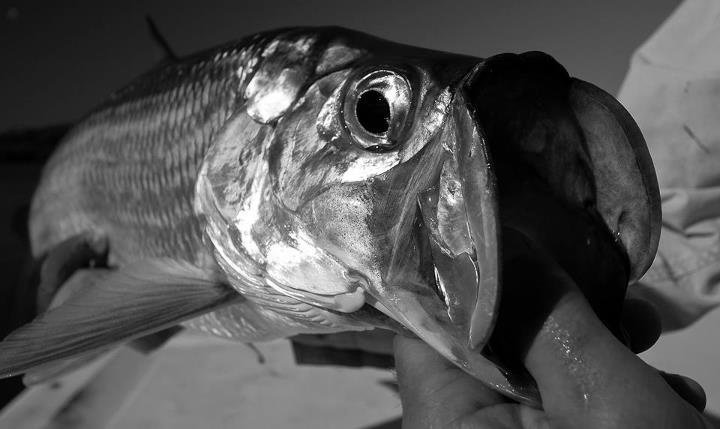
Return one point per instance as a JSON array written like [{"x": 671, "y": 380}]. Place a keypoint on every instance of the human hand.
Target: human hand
[{"x": 586, "y": 377}]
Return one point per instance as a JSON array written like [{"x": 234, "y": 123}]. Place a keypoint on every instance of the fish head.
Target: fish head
[{"x": 385, "y": 185}]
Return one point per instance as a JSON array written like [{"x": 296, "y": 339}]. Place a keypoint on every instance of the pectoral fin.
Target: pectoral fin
[
  {"x": 59, "y": 368},
  {"x": 134, "y": 301},
  {"x": 56, "y": 369}
]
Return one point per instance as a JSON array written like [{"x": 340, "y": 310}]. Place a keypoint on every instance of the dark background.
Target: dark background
[{"x": 60, "y": 58}]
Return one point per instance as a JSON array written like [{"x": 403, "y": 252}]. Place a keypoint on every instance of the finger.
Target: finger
[
  {"x": 585, "y": 375},
  {"x": 641, "y": 321},
  {"x": 433, "y": 391}
]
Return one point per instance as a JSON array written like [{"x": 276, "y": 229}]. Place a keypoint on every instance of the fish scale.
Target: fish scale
[{"x": 129, "y": 169}]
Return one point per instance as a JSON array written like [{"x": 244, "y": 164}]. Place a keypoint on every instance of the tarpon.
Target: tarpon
[{"x": 317, "y": 180}]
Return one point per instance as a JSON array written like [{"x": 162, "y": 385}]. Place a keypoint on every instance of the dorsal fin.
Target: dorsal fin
[
  {"x": 137, "y": 300},
  {"x": 160, "y": 39}
]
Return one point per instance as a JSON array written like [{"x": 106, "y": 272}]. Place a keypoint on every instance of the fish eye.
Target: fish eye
[
  {"x": 376, "y": 110},
  {"x": 373, "y": 112}
]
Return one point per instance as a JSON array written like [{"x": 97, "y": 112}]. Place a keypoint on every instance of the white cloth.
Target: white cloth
[{"x": 673, "y": 92}]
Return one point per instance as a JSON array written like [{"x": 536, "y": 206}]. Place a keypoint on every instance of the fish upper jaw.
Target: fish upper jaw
[{"x": 442, "y": 282}]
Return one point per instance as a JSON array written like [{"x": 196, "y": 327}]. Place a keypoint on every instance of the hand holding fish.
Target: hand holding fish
[{"x": 585, "y": 376}]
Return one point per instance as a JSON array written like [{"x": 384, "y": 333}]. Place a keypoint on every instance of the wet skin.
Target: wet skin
[{"x": 586, "y": 376}]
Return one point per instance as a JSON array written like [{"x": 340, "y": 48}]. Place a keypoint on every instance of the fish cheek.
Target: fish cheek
[{"x": 338, "y": 220}]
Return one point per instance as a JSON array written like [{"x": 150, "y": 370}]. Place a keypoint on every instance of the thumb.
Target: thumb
[{"x": 586, "y": 377}]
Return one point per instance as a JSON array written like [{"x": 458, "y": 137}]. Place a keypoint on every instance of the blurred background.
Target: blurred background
[{"x": 60, "y": 59}]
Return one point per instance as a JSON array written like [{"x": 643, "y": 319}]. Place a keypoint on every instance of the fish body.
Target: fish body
[
  {"x": 315, "y": 180},
  {"x": 130, "y": 167},
  {"x": 129, "y": 170}
]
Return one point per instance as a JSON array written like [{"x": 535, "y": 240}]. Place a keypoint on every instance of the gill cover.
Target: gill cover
[{"x": 255, "y": 233}]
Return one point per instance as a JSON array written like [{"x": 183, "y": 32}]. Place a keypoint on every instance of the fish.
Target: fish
[{"x": 320, "y": 180}]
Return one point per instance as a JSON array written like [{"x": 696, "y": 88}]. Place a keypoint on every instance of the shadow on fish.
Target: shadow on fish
[{"x": 318, "y": 180}]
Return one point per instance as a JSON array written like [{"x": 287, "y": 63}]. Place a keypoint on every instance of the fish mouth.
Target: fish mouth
[
  {"x": 521, "y": 168},
  {"x": 443, "y": 279},
  {"x": 493, "y": 324}
]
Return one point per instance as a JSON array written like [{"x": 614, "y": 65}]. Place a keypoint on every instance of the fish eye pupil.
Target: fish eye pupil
[{"x": 373, "y": 112}]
